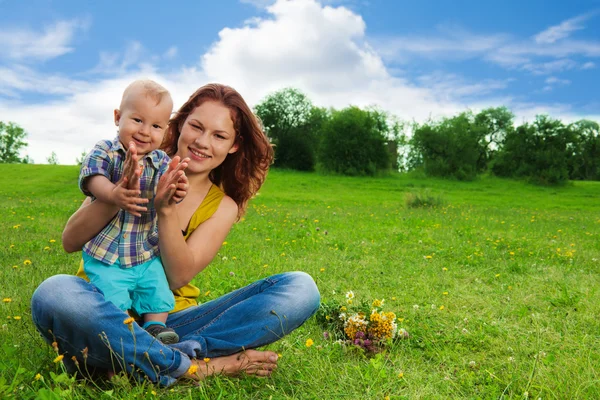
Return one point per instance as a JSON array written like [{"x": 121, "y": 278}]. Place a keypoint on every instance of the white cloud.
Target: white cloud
[
  {"x": 588, "y": 65},
  {"x": 561, "y": 31},
  {"x": 170, "y": 53},
  {"x": 554, "y": 80},
  {"x": 53, "y": 41},
  {"x": 550, "y": 67}
]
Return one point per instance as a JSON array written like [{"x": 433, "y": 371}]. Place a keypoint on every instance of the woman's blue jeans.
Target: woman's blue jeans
[{"x": 74, "y": 314}]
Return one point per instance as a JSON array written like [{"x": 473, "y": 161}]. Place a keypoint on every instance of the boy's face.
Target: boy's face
[{"x": 143, "y": 121}]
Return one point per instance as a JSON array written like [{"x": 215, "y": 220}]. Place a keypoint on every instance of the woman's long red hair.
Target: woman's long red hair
[{"x": 242, "y": 173}]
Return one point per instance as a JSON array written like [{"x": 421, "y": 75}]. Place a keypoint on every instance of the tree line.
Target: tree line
[
  {"x": 355, "y": 141},
  {"x": 368, "y": 141}
]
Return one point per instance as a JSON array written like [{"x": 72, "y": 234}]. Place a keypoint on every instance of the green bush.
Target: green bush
[{"x": 354, "y": 143}]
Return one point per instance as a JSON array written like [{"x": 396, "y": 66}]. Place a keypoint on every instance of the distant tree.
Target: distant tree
[
  {"x": 292, "y": 124},
  {"x": 282, "y": 111},
  {"x": 79, "y": 160},
  {"x": 584, "y": 150},
  {"x": 354, "y": 143},
  {"x": 53, "y": 159},
  {"x": 454, "y": 147},
  {"x": 11, "y": 142},
  {"x": 497, "y": 123},
  {"x": 536, "y": 151}
]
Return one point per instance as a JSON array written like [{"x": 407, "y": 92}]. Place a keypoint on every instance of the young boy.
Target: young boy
[{"x": 123, "y": 259}]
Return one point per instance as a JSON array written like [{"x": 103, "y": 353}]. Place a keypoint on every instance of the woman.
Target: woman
[{"x": 229, "y": 156}]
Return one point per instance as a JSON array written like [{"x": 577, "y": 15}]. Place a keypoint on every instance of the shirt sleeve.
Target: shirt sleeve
[{"x": 97, "y": 162}]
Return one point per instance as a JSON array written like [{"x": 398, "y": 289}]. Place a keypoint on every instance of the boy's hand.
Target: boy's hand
[
  {"x": 131, "y": 168},
  {"x": 128, "y": 199}
]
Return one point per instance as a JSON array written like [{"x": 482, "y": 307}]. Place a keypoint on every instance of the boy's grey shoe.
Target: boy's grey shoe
[{"x": 162, "y": 333}]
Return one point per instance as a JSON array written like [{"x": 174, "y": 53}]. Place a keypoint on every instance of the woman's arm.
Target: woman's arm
[{"x": 182, "y": 259}]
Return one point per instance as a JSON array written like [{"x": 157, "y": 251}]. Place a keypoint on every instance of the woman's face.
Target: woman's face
[{"x": 207, "y": 136}]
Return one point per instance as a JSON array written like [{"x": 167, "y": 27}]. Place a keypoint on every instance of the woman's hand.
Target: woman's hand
[{"x": 172, "y": 186}]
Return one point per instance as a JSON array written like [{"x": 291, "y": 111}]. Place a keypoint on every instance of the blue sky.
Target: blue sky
[{"x": 64, "y": 64}]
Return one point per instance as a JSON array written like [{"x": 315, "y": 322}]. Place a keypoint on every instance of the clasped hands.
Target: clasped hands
[{"x": 172, "y": 185}]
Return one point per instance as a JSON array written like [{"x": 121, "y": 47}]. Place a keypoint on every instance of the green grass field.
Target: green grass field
[{"x": 498, "y": 286}]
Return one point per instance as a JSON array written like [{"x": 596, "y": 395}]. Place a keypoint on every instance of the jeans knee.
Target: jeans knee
[
  {"x": 56, "y": 296},
  {"x": 306, "y": 291}
]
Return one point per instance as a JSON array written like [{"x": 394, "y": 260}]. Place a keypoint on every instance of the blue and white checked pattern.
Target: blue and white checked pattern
[{"x": 131, "y": 240}]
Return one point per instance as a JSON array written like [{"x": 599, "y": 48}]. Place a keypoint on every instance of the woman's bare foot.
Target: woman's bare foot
[{"x": 251, "y": 362}]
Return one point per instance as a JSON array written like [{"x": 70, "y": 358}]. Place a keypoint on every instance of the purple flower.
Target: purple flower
[
  {"x": 325, "y": 335},
  {"x": 360, "y": 335}
]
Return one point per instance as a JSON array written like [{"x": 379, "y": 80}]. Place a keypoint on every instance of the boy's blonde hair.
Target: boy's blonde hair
[{"x": 147, "y": 87}]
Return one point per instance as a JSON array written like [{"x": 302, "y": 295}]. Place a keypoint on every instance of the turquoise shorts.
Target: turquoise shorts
[{"x": 143, "y": 288}]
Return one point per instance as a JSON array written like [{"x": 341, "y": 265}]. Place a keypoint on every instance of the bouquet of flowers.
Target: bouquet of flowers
[{"x": 361, "y": 324}]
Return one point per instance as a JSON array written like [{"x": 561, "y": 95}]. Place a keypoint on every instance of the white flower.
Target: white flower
[
  {"x": 350, "y": 295},
  {"x": 416, "y": 306}
]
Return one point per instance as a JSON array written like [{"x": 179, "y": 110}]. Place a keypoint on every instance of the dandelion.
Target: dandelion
[
  {"x": 378, "y": 303},
  {"x": 322, "y": 269},
  {"x": 309, "y": 342},
  {"x": 400, "y": 375},
  {"x": 192, "y": 369},
  {"x": 11, "y": 246},
  {"x": 441, "y": 307},
  {"x": 445, "y": 293},
  {"x": 38, "y": 376},
  {"x": 59, "y": 358},
  {"x": 16, "y": 226},
  {"x": 207, "y": 293},
  {"x": 74, "y": 359},
  {"x": 224, "y": 243},
  {"x": 153, "y": 393},
  {"x": 206, "y": 359},
  {"x": 46, "y": 248},
  {"x": 497, "y": 275},
  {"x": 27, "y": 262},
  {"x": 427, "y": 257},
  {"x": 472, "y": 364},
  {"x": 7, "y": 300},
  {"x": 55, "y": 347},
  {"x": 128, "y": 321},
  {"x": 17, "y": 317},
  {"x": 444, "y": 269},
  {"x": 52, "y": 241}
]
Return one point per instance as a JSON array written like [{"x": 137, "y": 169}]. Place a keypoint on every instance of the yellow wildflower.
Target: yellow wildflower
[
  {"x": 153, "y": 393},
  {"x": 309, "y": 342},
  {"x": 7, "y": 299},
  {"x": 207, "y": 293},
  {"x": 11, "y": 246},
  {"x": 378, "y": 303},
  {"x": 52, "y": 240},
  {"x": 38, "y": 377},
  {"x": 192, "y": 369},
  {"x": 445, "y": 293},
  {"x": 27, "y": 262},
  {"x": 128, "y": 321},
  {"x": 224, "y": 243},
  {"x": 322, "y": 269},
  {"x": 59, "y": 358},
  {"x": 400, "y": 374},
  {"x": 444, "y": 269},
  {"x": 17, "y": 317},
  {"x": 16, "y": 226},
  {"x": 441, "y": 307},
  {"x": 46, "y": 248},
  {"x": 428, "y": 257},
  {"x": 206, "y": 359}
]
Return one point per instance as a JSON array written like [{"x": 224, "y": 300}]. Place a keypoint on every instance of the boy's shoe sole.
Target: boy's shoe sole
[{"x": 168, "y": 337}]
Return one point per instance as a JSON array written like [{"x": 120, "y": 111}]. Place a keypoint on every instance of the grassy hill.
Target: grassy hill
[{"x": 497, "y": 285}]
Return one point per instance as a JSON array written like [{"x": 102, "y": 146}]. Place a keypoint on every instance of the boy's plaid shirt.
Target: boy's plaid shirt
[{"x": 129, "y": 239}]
